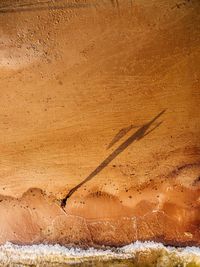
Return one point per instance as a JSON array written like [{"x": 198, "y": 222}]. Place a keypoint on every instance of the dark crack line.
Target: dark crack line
[{"x": 138, "y": 135}]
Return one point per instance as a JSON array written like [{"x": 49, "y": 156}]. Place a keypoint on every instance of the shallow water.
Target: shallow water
[
  {"x": 120, "y": 263},
  {"x": 147, "y": 254}
]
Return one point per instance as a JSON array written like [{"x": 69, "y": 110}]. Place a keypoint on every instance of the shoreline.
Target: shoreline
[
  {"x": 86, "y": 158},
  {"x": 138, "y": 252}
]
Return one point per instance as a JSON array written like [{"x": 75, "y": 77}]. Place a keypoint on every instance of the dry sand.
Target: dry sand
[{"x": 77, "y": 79}]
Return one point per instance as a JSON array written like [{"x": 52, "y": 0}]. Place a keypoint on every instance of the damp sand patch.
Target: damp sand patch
[{"x": 136, "y": 254}]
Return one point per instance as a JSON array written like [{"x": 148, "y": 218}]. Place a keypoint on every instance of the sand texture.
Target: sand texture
[{"x": 100, "y": 122}]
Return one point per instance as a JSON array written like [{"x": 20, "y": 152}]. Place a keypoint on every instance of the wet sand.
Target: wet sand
[{"x": 160, "y": 211}]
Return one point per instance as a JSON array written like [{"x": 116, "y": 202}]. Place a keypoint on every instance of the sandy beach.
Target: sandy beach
[{"x": 106, "y": 91}]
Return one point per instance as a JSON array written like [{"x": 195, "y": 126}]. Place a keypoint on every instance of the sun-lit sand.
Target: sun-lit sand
[{"x": 81, "y": 83}]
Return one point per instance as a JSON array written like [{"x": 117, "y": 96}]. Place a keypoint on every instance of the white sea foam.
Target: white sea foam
[{"x": 15, "y": 255}]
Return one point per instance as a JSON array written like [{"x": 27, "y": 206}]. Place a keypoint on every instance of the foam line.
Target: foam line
[{"x": 39, "y": 254}]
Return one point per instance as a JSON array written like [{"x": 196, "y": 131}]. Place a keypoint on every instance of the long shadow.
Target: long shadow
[
  {"x": 120, "y": 135},
  {"x": 138, "y": 135},
  {"x": 35, "y": 6}
]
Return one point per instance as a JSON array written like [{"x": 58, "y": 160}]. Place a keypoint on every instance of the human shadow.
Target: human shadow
[
  {"x": 121, "y": 134},
  {"x": 138, "y": 135}
]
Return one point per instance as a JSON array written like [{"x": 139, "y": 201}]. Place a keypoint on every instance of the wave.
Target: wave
[{"x": 154, "y": 254}]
